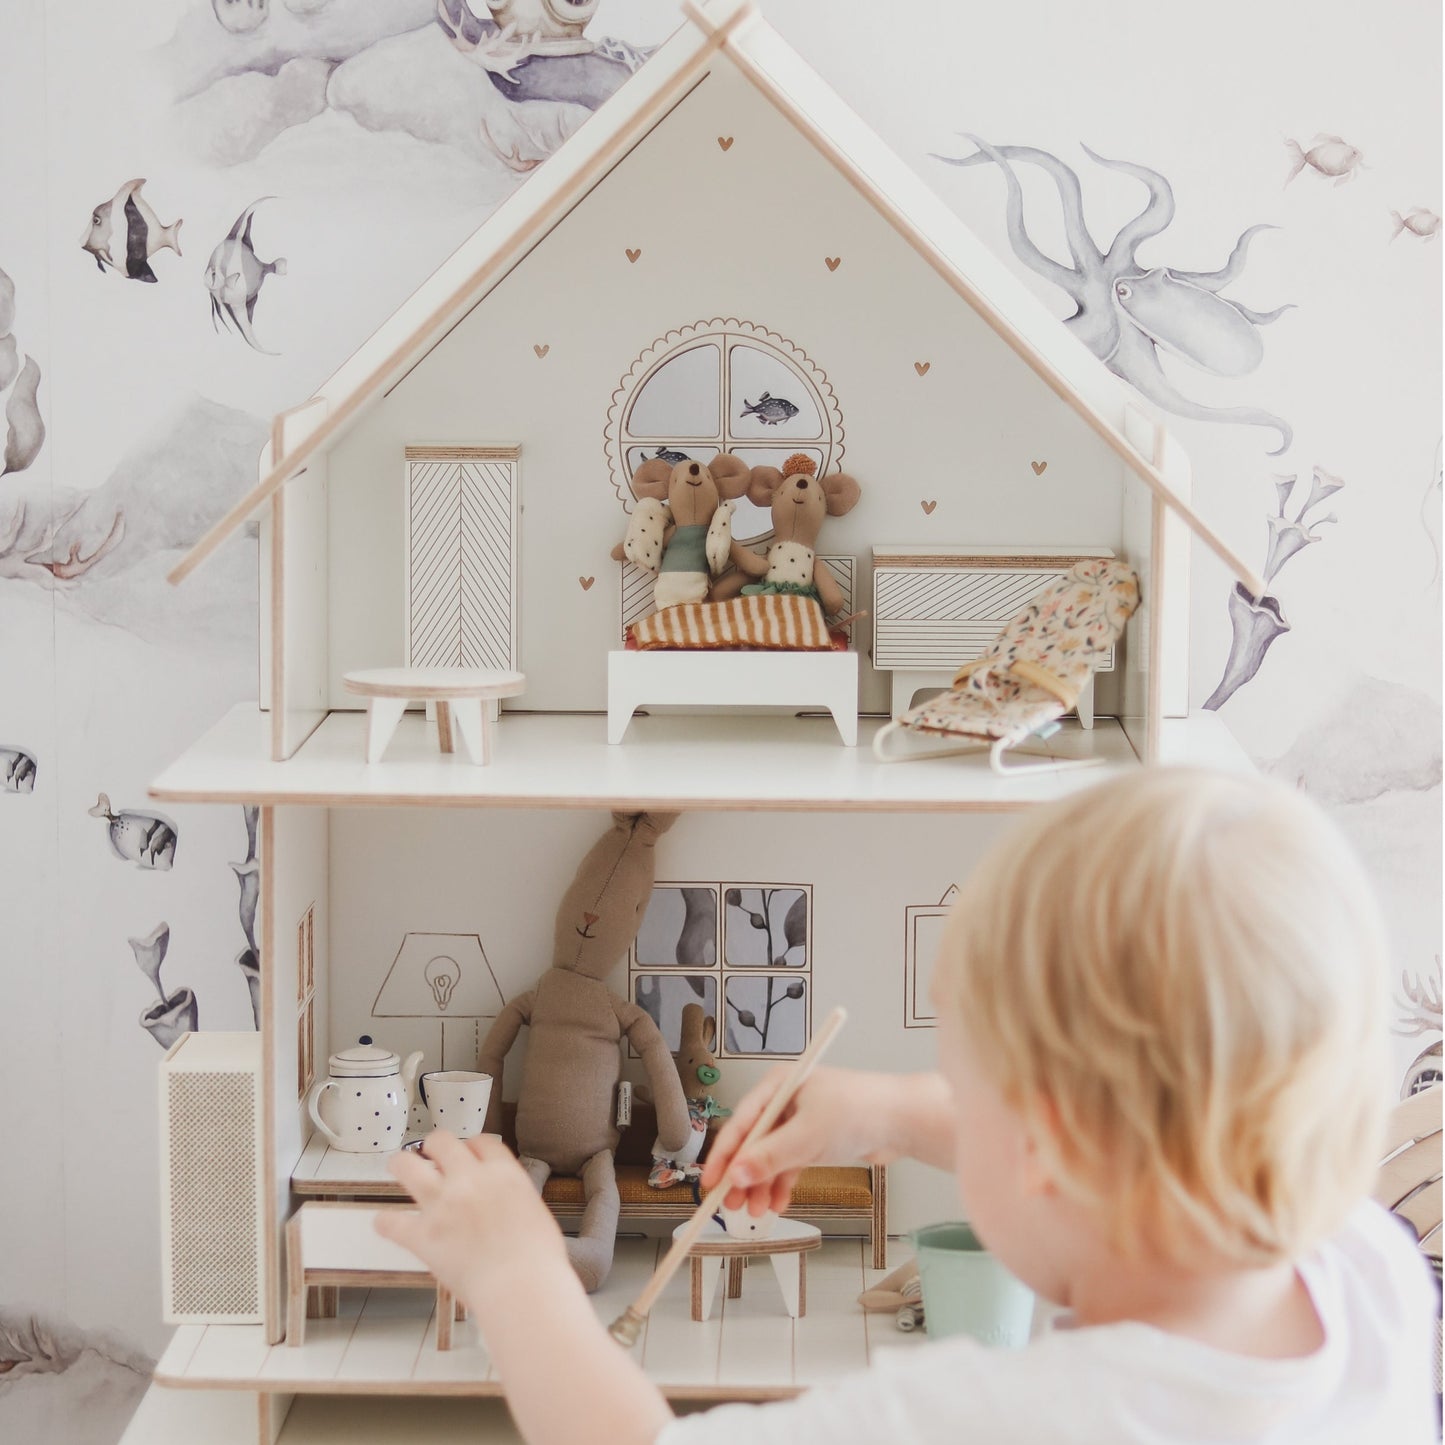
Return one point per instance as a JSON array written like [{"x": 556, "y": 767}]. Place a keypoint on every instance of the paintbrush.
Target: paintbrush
[{"x": 628, "y": 1325}]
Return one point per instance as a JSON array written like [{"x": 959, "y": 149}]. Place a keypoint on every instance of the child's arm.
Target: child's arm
[
  {"x": 483, "y": 1232},
  {"x": 838, "y": 1114}
]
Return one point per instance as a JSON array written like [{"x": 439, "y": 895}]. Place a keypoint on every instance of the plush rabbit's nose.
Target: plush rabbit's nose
[{"x": 590, "y": 918}]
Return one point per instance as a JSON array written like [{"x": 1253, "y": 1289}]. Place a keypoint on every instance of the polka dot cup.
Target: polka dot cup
[{"x": 457, "y": 1101}]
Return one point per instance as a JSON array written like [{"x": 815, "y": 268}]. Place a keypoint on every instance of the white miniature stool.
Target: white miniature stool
[
  {"x": 458, "y": 693},
  {"x": 715, "y": 1251}
]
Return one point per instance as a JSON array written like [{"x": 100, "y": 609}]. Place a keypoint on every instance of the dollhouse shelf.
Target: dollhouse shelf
[
  {"x": 381, "y": 1342},
  {"x": 690, "y": 763}
]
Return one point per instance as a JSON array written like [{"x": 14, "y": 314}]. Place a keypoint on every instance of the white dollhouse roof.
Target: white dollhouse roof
[{"x": 734, "y": 30}]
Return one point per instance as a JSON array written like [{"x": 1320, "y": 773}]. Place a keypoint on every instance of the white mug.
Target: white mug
[{"x": 456, "y": 1101}]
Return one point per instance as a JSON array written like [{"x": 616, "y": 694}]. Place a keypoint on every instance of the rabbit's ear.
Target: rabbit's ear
[
  {"x": 692, "y": 1025},
  {"x": 842, "y": 493},
  {"x": 764, "y": 486},
  {"x": 709, "y": 1031},
  {"x": 731, "y": 474},
  {"x": 651, "y": 479}
]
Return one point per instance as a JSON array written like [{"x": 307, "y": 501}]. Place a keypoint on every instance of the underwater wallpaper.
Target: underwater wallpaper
[{"x": 211, "y": 203}]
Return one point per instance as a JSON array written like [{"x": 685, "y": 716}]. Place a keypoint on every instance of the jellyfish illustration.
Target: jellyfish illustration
[
  {"x": 175, "y": 1014},
  {"x": 1256, "y": 622},
  {"x": 1127, "y": 313}
]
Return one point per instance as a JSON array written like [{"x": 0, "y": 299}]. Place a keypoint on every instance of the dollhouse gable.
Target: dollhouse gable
[{"x": 725, "y": 257}]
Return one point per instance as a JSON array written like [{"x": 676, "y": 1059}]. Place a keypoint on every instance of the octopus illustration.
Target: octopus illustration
[
  {"x": 1126, "y": 313},
  {"x": 1256, "y": 622}
]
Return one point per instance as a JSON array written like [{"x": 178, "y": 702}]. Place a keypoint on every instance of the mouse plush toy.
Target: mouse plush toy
[
  {"x": 681, "y": 528},
  {"x": 574, "y": 1048},
  {"x": 799, "y": 501}
]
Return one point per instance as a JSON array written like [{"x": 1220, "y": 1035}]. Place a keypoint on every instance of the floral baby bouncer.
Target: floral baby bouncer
[{"x": 1033, "y": 672}]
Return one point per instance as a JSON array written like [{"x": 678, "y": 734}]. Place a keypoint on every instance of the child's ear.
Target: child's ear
[{"x": 1041, "y": 1152}]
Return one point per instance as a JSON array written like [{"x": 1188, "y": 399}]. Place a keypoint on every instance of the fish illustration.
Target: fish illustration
[
  {"x": 672, "y": 458},
  {"x": 1329, "y": 155},
  {"x": 769, "y": 409},
  {"x": 1419, "y": 222},
  {"x": 17, "y": 770},
  {"x": 234, "y": 275},
  {"x": 144, "y": 839},
  {"x": 124, "y": 233}
]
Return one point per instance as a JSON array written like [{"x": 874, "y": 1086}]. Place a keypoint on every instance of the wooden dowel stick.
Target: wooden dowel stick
[{"x": 628, "y": 1325}]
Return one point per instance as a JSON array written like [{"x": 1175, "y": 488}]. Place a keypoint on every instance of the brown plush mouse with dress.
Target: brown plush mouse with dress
[
  {"x": 681, "y": 528},
  {"x": 799, "y": 500},
  {"x": 565, "y": 1108}
]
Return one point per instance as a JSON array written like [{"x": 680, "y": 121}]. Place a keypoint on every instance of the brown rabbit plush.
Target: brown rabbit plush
[
  {"x": 698, "y": 1070},
  {"x": 574, "y": 1056},
  {"x": 681, "y": 528},
  {"x": 799, "y": 501}
]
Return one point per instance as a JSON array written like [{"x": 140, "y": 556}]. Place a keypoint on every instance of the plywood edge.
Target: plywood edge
[
  {"x": 479, "y": 1389},
  {"x": 441, "y": 452}
]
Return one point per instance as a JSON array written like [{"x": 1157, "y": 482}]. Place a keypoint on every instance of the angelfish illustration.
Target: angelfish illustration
[
  {"x": 124, "y": 233},
  {"x": 234, "y": 276},
  {"x": 144, "y": 839}
]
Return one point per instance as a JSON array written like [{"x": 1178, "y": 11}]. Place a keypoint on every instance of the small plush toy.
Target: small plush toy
[
  {"x": 799, "y": 501},
  {"x": 698, "y": 1070},
  {"x": 576, "y": 1028},
  {"x": 681, "y": 528}
]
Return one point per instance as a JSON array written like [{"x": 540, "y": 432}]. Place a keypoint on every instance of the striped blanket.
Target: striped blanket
[{"x": 777, "y": 623}]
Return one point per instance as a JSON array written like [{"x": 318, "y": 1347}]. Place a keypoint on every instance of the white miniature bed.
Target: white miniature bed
[{"x": 708, "y": 679}]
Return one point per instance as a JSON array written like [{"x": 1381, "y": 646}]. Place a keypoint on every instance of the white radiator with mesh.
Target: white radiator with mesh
[{"x": 212, "y": 1231}]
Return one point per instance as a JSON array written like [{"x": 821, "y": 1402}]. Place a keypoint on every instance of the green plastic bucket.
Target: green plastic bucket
[{"x": 966, "y": 1291}]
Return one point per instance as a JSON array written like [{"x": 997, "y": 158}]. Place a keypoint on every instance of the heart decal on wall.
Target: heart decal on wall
[
  {"x": 928, "y": 508},
  {"x": 921, "y": 367},
  {"x": 586, "y": 583},
  {"x": 1039, "y": 468},
  {"x": 541, "y": 351},
  {"x": 726, "y": 142},
  {"x": 633, "y": 255},
  {"x": 832, "y": 262}
]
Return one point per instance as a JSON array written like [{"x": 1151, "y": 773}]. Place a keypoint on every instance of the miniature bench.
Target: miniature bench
[{"x": 331, "y": 1244}]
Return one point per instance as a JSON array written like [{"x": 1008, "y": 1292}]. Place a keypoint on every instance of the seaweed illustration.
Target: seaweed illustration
[
  {"x": 1127, "y": 313},
  {"x": 1257, "y": 622},
  {"x": 782, "y": 943},
  {"x": 1418, "y": 1010},
  {"x": 176, "y": 1013},
  {"x": 248, "y": 875}
]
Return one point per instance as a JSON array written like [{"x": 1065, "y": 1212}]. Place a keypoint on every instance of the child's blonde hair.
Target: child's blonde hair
[{"x": 1183, "y": 974}]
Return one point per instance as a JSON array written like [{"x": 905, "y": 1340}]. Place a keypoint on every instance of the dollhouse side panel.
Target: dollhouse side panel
[
  {"x": 294, "y": 982},
  {"x": 1138, "y": 697},
  {"x": 768, "y": 335}
]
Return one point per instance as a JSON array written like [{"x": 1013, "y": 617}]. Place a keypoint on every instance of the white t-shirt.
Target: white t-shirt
[{"x": 1370, "y": 1383}]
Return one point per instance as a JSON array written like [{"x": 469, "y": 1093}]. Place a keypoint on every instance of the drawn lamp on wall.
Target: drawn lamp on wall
[{"x": 442, "y": 976}]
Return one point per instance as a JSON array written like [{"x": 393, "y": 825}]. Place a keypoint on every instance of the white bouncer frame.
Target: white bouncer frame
[{"x": 796, "y": 680}]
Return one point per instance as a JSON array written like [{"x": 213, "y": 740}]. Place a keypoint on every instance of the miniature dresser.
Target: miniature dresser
[{"x": 935, "y": 608}]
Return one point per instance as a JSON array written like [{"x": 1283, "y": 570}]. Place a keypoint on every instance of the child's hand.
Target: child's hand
[
  {"x": 481, "y": 1229},
  {"x": 839, "y": 1114}
]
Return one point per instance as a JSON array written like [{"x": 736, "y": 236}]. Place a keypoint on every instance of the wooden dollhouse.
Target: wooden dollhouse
[{"x": 725, "y": 258}]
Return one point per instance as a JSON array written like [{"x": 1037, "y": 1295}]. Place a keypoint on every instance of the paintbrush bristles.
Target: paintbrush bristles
[{"x": 626, "y": 1327}]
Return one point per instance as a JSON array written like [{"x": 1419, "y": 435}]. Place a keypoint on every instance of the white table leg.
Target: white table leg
[
  {"x": 1085, "y": 705},
  {"x": 712, "y": 1270},
  {"x": 475, "y": 730},
  {"x": 382, "y": 716},
  {"x": 789, "y": 1270}
]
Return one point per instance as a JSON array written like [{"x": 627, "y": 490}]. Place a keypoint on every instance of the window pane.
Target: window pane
[
  {"x": 679, "y": 929},
  {"x": 670, "y": 452},
  {"x": 765, "y": 1015},
  {"x": 663, "y": 996},
  {"x": 680, "y": 398},
  {"x": 768, "y": 398},
  {"x": 766, "y": 927}
]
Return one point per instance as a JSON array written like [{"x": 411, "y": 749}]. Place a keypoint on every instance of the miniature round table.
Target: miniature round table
[
  {"x": 714, "y": 1250},
  {"x": 458, "y": 692}
]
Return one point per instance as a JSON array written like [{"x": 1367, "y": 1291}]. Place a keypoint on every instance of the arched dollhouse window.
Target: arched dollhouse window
[{"x": 723, "y": 386}]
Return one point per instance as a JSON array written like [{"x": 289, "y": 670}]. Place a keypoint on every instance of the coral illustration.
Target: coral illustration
[
  {"x": 248, "y": 876},
  {"x": 176, "y": 1013},
  {"x": 1125, "y": 313},
  {"x": 1418, "y": 1009},
  {"x": 1257, "y": 622}
]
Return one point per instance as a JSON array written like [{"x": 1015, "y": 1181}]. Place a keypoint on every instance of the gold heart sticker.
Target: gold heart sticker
[
  {"x": 725, "y": 141},
  {"x": 928, "y": 508},
  {"x": 921, "y": 367},
  {"x": 633, "y": 255},
  {"x": 541, "y": 351},
  {"x": 1039, "y": 468},
  {"x": 832, "y": 262},
  {"x": 586, "y": 583}
]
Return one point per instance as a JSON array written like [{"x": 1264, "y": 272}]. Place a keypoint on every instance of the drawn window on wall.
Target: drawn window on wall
[
  {"x": 746, "y": 948},
  {"x": 723, "y": 386},
  {"x": 306, "y": 1001},
  {"x": 922, "y": 933}
]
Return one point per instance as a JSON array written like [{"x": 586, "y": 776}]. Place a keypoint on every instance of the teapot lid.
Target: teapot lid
[{"x": 363, "y": 1060}]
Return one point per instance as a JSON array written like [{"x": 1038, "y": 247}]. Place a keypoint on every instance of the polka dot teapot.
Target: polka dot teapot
[{"x": 363, "y": 1107}]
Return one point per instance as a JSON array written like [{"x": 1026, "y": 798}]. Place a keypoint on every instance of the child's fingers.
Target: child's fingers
[
  {"x": 787, "y": 1147},
  {"x": 417, "y": 1175},
  {"x": 782, "y": 1191},
  {"x": 398, "y": 1225},
  {"x": 446, "y": 1151},
  {"x": 488, "y": 1149},
  {"x": 732, "y": 1134}
]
